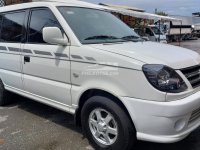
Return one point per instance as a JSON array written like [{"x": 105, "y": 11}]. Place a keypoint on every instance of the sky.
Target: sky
[{"x": 172, "y": 7}]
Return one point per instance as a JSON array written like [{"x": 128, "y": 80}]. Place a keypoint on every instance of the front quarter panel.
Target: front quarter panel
[{"x": 119, "y": 75}]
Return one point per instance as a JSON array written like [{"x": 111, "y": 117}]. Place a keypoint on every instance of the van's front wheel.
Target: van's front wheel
[{"x": 106, "y": 125}]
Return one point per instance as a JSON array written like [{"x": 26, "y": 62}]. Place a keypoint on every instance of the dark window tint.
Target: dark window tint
[
  {"x": 12, "y": 27},
  {"x": 149, "y": 32},
  {"x": 39, "y": 19}
]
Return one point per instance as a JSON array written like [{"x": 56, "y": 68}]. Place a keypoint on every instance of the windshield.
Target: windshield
[
  {"x": 95, "y": 26},
  {"x": 156, "y": 31}
]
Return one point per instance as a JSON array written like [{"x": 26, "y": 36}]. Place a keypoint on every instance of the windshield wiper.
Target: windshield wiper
[
  {"x": 101, "y": 37},
  {"x": 132, "y": 38}
]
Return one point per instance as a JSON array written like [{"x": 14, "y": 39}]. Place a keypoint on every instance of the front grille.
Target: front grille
[
  {"x": 193, "y": 75},
  {"x": 195, "y": 115}
]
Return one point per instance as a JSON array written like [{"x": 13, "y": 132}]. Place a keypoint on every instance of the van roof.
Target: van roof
[{"x": 49, "y": 3}]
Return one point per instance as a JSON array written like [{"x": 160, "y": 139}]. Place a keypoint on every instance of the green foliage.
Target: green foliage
[{"x": 161, "y": 13}]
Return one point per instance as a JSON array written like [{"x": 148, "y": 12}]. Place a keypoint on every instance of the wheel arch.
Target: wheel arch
[{"x": 98, "y": 92}]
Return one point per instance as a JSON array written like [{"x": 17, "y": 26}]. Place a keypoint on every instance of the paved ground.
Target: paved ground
[
  {"x": 28, "y": 125},
  {"x": 193, "y": 44}
]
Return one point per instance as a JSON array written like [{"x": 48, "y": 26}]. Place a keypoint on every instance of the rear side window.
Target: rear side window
[
  {"x": 12, "y": 27},
  {"x": 39, "y": 19}
]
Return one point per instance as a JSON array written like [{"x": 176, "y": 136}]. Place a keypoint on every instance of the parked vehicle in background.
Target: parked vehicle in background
[
  {"x": 141, "y": 33},
  {"x": 196, "y": 24},
  {"x": 178, "y": 30},
  {"x": 155, "y": 34},
  {"x": 196, "y": 30},
  {"x": 81, "y": 59}
]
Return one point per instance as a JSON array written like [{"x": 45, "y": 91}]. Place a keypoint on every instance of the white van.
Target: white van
[
  {"x": 79, "y": 58},
  {"x": 155, "y": 34}
]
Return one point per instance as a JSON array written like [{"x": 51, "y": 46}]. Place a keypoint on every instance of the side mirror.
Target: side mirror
[{"x": 53, "y": 35}]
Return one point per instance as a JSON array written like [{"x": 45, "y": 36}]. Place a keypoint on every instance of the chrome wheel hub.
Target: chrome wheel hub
[{"x": 103, "y": 126}]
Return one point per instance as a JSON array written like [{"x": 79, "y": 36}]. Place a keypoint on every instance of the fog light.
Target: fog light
[{"x": 179, "y": 125}]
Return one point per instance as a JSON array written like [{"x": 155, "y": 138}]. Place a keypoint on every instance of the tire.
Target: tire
[
  {"x": 3, "y": 95},
  {"x": 126, "y": 133}
]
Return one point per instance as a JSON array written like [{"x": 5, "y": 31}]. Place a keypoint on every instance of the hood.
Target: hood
[{"x": 153, "y": 53}]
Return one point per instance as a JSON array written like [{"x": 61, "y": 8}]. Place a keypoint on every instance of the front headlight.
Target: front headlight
[{"x": 164, "y": 78}]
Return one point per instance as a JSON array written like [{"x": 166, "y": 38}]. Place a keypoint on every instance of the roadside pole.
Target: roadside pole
[
  {"x": 160, "y": 31},
  {"x": 180, "y": 33}
]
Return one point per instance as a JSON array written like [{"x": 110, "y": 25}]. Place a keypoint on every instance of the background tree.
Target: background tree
[{"x": 161, "y": 13}]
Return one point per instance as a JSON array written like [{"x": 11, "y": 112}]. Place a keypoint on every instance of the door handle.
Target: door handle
[{"x": 26, "y": 59}]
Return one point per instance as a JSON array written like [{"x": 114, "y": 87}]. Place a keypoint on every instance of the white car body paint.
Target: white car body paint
[{"x": 61, "y": 82}]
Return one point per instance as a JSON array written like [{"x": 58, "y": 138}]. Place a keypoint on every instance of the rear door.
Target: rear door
[
  {"x": 11, "y": 37},
  {"x": 46, "y": 67}
]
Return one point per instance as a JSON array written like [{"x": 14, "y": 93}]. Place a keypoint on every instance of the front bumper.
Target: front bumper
[{"x": 163, "y": 122}]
